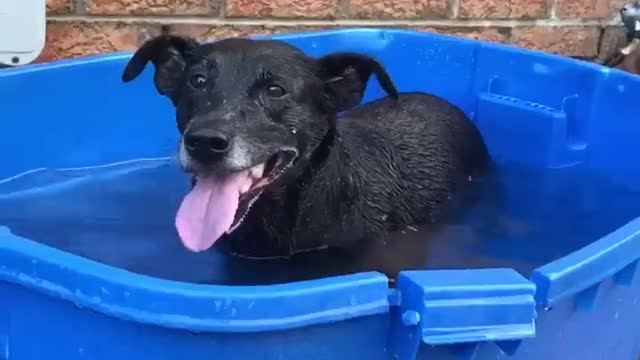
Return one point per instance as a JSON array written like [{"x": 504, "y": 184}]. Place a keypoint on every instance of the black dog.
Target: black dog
[{"x": 278, "y": 171}]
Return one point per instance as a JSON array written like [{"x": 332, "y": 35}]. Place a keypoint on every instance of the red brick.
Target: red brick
[
  {"x": 588, "y": 9},
  {"x": 213, "y": 32},
  {"x": 282, "y": 8},
  {"x": 150, "y": 7},
  {"x": 71, "y": 39},
  {"x": 567, "y": 40},
  {"x": 400, "y": 9},
  {"x": 60, "y": 7},
  {"x": 503, "y": 9},
  {"x": 492, "y": 34},
  {"x": 210, "y": 33}
]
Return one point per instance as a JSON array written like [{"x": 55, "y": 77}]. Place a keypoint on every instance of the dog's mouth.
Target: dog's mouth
[{"x": 218, "y": 204}]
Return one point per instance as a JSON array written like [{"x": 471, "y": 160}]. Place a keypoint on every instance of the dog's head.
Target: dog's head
[{"x": 248, "y": 111}]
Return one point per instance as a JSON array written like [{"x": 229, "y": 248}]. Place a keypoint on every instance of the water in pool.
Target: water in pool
[{"x": 123, "y": 215}]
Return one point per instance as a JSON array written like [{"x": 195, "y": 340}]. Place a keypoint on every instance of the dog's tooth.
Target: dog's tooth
[{"x": 257, "y": 171}]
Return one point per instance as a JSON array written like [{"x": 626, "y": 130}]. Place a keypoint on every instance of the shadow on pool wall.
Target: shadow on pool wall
[{"x": 562, "y": 131}]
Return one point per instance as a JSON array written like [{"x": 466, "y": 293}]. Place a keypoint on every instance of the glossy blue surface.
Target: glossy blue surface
[{"x": 63, "y": 123}]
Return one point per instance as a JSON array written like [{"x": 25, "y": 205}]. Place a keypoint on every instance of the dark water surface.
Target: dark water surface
[{"x": 123, "y": 215}]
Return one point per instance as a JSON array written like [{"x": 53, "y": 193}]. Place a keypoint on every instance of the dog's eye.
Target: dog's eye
[
  {"x": 198, "y": 81},
  {"x": 275, "y": 91}
]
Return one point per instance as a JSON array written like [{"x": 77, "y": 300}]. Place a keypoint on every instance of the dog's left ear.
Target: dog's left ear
[{"x": 346, "y": 76}]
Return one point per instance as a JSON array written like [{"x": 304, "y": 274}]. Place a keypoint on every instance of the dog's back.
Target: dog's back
[
  {"x": 398, "y": 163},
  {"x": 432, "y": 145}
]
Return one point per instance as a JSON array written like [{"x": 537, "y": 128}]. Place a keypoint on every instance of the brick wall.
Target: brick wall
[{"x": 572, "y": 27}]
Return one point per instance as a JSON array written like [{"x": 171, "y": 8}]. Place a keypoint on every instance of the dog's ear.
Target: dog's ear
[
  {"x": 169, "y": 54},
  {"x": 346, "y": 76}
]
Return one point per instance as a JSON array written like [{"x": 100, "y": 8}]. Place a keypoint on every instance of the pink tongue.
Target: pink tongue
[{"x": 208, "y": 211}]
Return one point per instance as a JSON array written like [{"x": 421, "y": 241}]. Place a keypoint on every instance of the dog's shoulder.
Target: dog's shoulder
[{"x": 408, "y": 109}]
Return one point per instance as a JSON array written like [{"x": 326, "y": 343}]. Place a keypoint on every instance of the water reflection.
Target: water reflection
[{"x": 123, "y": 216}]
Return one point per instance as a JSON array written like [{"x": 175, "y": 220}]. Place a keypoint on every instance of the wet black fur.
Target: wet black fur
[{"x": 376, "y": 167}]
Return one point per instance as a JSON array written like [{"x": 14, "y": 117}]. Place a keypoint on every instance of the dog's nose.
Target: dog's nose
[{"x": 203, "y": 145}]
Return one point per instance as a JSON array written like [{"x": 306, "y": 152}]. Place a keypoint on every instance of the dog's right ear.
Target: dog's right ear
[{"x": 169, "y": 54}]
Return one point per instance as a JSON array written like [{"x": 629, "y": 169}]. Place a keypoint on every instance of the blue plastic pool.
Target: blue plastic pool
[{"x": 539, "y": 266}]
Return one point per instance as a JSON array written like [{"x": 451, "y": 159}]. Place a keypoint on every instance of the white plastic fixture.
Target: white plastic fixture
[{"x": 22, "y": 30}]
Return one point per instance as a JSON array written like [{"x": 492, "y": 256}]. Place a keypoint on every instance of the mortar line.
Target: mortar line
[
  {"x": 455, "y": 8},
  {"x": 331, "y": 23},
  {"x": 344, "y": 9},
  {"x": 222, "y": 12},
  {"x": 79, "y": 7},
  {"x": 552, "y": 11}
]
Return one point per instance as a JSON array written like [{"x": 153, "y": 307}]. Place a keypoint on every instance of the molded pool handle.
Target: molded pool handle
[{"x": 459, "y": 309}]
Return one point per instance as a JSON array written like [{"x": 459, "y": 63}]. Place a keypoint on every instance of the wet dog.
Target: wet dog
[{"x": 284, "y": 158}]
